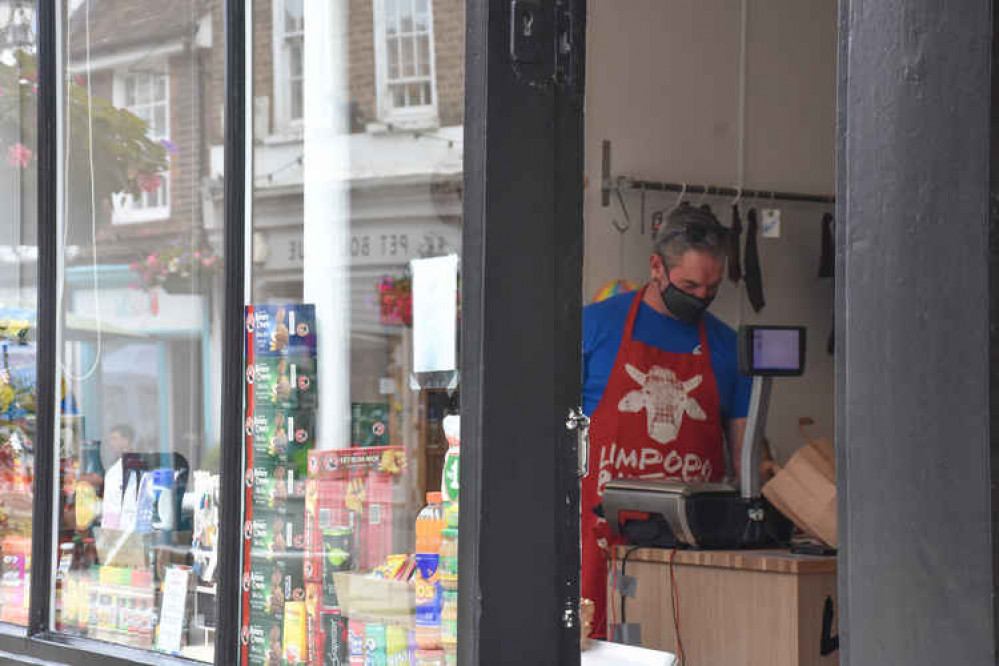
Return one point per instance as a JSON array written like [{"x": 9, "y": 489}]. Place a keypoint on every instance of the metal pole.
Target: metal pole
[{"x": 756, "y": 425}]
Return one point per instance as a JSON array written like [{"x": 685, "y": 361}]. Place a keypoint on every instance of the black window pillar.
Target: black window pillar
[
  {"x": 914, "y": 447},
  {"x": 231, "y": 518}
]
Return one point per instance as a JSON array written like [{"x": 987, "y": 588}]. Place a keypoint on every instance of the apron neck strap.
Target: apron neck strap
[{"x": 629, "y": 323}]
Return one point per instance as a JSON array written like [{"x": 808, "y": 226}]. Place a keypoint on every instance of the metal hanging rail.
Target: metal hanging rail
[{"x": 611, "y": 184}]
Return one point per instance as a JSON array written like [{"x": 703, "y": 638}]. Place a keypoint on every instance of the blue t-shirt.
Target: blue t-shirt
[{"x": 603, "y": 328}]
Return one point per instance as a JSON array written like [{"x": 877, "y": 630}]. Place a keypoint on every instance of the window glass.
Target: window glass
[
  {"x": 145, "y": 95},
  {"x": 287, "y": 41},
  {"x": 18, "y": 317},
  {"x": 139, "y": 323},
  {"x": 405, "y": 48},
  {"x": 352, "y": 386}
]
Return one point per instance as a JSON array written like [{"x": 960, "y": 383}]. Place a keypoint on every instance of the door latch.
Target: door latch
[
  {"x": 530, "y": 34},
  {"x": 541, "y": 42},
  {"x": 579, "y": 423}
]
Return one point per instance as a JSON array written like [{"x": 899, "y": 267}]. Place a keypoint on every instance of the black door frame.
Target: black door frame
[{"x": 521, "y": 331}]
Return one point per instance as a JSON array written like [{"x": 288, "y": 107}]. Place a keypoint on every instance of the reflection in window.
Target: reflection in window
[
  {"x": 404, "y": 37},
  {"x": 18, "y": 317},
  {"x": 140, "y": 313},
  {"x": 352, "y": 388},
  {"x": 145, "y": 94},
  {"x": 289, "y": 66}
]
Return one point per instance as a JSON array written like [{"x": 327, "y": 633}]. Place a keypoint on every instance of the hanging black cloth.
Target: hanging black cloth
[
  {"x": 826, "y": 260},
  {"x": 827, "y": 269},
  {"x": 753, "y": 275},
  {"x": 734, "y": 246}
]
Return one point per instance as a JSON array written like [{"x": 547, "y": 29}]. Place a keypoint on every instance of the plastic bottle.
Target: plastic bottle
[
  {"x": 163, "y": 518},
  {"x": 144, "y": 505},
  {"x": 429, "y": 525},
  {"x": 448, "y": 563},
  {"x": 129, "y": 505},
  {"x": 449, "y": 624},
  {"x": 451, "y": 474}
]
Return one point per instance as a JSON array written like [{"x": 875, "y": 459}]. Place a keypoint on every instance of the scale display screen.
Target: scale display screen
[{"x": 772, "y": 351}]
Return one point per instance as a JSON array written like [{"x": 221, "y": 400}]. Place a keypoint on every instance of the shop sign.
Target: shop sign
[{"x": 370, "y": 245}]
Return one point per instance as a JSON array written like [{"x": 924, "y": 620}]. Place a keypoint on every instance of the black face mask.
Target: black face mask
[{"x": 686, "y": 307}]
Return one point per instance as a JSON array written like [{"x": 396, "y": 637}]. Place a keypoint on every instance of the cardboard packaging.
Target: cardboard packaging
[
  {"x": 282, "y": 330},
  {"x": 804, "y": 490},
  {"x": 263, "y": 638},
  {"x": 283, "y": 436},
  {"x": 282, "y": 382}
]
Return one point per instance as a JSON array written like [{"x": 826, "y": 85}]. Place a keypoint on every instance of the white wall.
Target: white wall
[{"x": 662, "y": 85}]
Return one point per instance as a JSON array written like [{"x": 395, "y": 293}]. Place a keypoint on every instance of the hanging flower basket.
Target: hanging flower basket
[
  {"x": 178, "y": 269},
  {"x": 395, "y": 296}
]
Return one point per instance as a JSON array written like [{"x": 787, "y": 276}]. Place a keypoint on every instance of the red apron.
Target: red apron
[{"x": 659, "y": 418}]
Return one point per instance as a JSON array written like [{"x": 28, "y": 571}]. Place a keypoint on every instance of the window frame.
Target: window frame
[
  {"x": 284, "y": 124},
  {"x": 123, "y": 211},
  {"x": 411, "y": 117}
]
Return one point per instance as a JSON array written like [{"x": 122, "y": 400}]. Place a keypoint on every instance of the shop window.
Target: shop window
[
  {"x": 352, "y": 386},
  {"x": 404, "y": 54},
  {"x": 146, "y": 94},
  {"x": 18, "y": 314},
  {"x": 139, "y": 331},
  {"x": 289, "y": 66}
]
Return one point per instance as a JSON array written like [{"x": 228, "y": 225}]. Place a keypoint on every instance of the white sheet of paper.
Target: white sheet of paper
[
  {"x": 171, "y": 627},
  {"x": 771, "y": 223},
  {"x": 435, "y": 313},
  {"x": 602, "y": 653}
]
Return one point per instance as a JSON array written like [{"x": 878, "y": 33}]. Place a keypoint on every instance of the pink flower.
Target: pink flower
[
  {"x": 19, "y": 155},
  {"x": 151, "y": 259},
  {"x": 149, "y": 182}
]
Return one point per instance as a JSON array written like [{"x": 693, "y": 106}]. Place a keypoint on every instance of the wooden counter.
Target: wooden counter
[{"x": 753, "y": 608}]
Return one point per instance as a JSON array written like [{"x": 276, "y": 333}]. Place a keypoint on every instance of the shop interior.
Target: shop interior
[{"x": 687, "y": 95}]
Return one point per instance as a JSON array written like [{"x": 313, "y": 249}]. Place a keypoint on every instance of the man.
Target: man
[
  {"x": 119, "y": 442},
  {"x": 660, "y": 381}
]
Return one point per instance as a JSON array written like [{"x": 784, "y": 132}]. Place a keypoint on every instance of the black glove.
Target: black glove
[{"x": 754, "y": 277}]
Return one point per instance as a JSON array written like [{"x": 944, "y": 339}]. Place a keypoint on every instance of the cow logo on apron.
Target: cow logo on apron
[{"x": 665, "y": 399}]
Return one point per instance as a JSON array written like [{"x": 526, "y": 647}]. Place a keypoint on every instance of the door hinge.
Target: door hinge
[{"x": 565, "y": 53}]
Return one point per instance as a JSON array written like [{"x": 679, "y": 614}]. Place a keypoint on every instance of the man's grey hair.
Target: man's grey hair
[{"x": 690, "y": 228}]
